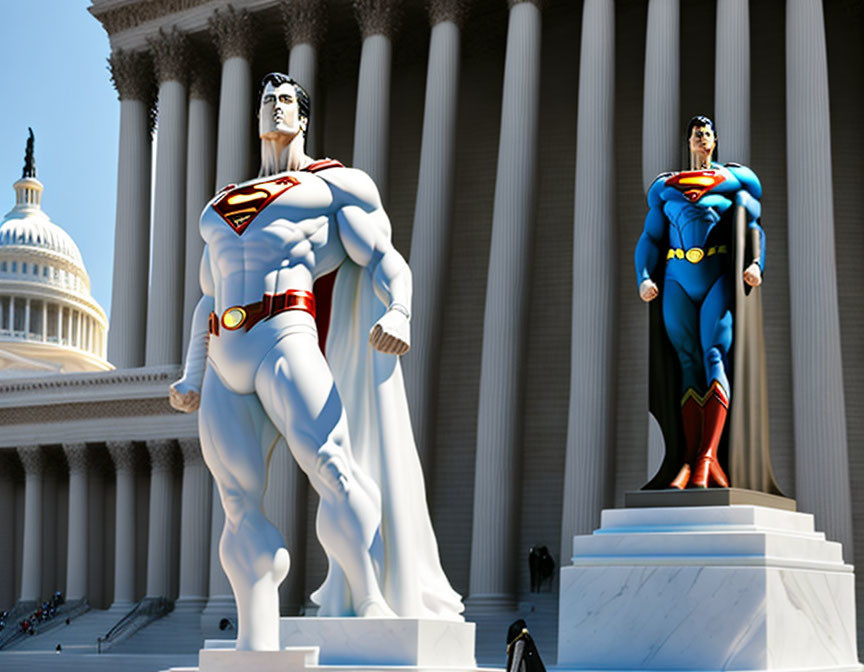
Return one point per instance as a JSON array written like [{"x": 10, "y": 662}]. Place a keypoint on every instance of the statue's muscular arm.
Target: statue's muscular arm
[
  {"x": 648, "y": 248},
  {"x": 364, "y": 231},
  {"x": 185, "y": 394}
]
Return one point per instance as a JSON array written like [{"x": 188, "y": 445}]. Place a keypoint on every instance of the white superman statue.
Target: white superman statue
[{"x": 255, "y": 367}]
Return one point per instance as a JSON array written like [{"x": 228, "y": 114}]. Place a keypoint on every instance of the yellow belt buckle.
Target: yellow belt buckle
[
  {"x": 233, "y": 318},
  {"x": 694, "y": 255}
]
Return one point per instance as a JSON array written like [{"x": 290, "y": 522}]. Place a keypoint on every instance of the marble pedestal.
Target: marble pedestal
[
  {"x": 707, "y": 588},
  {"x": 361, "y": 644}
]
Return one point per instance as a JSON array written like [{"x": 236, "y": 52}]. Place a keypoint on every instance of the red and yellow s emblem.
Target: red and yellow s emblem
[
  {"x": 238, "y": 207},
  {"x": 696, "y": 183}
]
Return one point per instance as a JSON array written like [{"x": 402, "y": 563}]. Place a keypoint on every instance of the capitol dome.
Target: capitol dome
[{"x": 48, "y": 319}]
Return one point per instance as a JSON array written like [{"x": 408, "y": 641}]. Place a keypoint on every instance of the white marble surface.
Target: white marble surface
[
  {"x": 383, "y": 641},
  {"x": 227, "y": 660},
  {"x": 706, "y": 588}
]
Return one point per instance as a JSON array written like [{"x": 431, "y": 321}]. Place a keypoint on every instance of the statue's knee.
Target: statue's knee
[
  {"x": 332, "y": 470},
  {"x": 713, "y": 357}
]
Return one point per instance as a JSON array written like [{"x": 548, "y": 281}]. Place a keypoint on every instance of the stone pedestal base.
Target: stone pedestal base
[
  {"x": 361, "y": 644},
  {"x": 707, "y": 588}
]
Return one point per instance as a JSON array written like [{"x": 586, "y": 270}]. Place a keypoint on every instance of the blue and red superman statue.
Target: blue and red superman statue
[{"x": 702, "y": 251}]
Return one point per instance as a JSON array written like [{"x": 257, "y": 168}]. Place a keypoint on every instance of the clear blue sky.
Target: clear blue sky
[{"x": 53, "y": 77}]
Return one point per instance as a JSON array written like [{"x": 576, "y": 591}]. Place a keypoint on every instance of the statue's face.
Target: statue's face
[
  {"x": 279, "y": 113},
  {"x": 702, "y": 141}
]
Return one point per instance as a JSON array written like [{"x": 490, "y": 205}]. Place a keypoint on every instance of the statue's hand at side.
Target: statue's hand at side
[
  {"x": 184, "y": 397},
  {"x": 648, "y": 290},
  {"x": 391, "y": 334},
  {"x": 753, "y": 275}
]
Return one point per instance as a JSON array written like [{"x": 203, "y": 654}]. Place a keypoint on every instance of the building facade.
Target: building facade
[{"x": 512, "y": 142}]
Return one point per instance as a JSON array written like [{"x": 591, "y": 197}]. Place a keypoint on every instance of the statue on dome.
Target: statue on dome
[
  {"x": 702, "y": 252},
  {"x": 29, "y": 160},
  {"x": 258, "y": 371}
]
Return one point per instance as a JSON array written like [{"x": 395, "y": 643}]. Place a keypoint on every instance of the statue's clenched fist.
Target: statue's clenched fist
[
  {"x": 183, "y": 397},
  {"x": 391, "y": 334}
]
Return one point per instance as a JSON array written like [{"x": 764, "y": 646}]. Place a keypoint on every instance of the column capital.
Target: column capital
[
  {"x": 448, "y": 10},
  {"x": 191, "y": 451},
  {"x": 132, "y": 75},
  {"x": 32, "y": 458},
  {"x": 161, "y": 455},
  {"x": 233, "y": 33},
  {"x": 76, "y": 456},
  {"x": 123, "y": 454},
  {"x": 304, "y": 21},
  {"x": 203, "y": 77},
  {"x": 377, "y": 17},
  {"x": 170, "y": 51},
  {"x": 537, "y": 3}
]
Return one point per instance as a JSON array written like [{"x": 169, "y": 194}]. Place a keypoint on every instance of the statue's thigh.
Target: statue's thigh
[
  {"x": 296, "y": 389},
  {"x": 233, "y": 428},
  {"x": 681, "y": 319}
]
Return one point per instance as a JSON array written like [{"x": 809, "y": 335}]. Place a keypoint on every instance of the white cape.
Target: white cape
[{"x": 373, "y": 394}]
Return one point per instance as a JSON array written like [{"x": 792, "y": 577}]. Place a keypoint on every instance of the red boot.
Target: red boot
[
  {"x": 707, "y": 470},
  {"x": 691, "y": 418}
]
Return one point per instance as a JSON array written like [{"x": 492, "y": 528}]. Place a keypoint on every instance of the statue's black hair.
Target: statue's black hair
[{"x": 279, "y": 78}]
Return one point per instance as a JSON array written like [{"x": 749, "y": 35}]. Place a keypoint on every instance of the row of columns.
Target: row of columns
[
  {"x": 73, "y": 327},
  {"x": 194, "y": 511},
  {"x": 591, "y": 438}
]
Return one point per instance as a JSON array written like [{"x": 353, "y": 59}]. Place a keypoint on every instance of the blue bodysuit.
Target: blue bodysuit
[{"x": 688, "y": 229}]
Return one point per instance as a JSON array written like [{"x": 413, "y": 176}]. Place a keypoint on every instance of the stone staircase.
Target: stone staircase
[
  {"x": 79, "y": 636},
  {"x": 178, "y": 632},
  {"x": 540, "y": 613}
]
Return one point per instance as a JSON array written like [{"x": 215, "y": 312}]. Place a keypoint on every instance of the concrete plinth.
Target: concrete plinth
[
  {"x": 707, "y": 588},
  {"x": 361, "y": 644}
]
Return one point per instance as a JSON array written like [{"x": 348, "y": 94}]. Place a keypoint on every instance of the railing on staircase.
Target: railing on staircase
[{"x": 142, "y": 614}]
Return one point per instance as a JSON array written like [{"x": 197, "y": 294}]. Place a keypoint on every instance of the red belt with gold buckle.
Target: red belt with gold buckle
[{"x": 251, "y": 314}]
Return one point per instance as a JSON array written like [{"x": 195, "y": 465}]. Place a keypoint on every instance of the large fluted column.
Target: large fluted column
[
  {"x": 233, "y": 34},
  {"x": 304, "y": 27},
  {"x": 285, "y": 507},
  {"x": 165, "y": 306},
  {"x": 131, "y": 74},
  {"x": 31, "y": 572},
  {"x": 160, "y": 545},
  {"x": 194, "y": 528},
  {"x": 200, "y": 176},
  {"x": 123, "y": 456},
  {"x": 591, "y": 416},
  {"x": 377, "y": 19},
  {"x": 7, "y": 527},
  {"x": 732, "y": 79},
  {"x": 660, "y": 140},
  {"x": 430, "y": 237},
  {"x": 821, "y": 453},
  {"x": 78, "y": 541},
  {"x": 496, "y": 483}
]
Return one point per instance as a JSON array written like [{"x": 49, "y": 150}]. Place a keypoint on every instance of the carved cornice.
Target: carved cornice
[
  {"x": 203, "y": 77},
  {"x": 447, "y": 10},
  {"x": 123, "y": 454},
  {"x": 32, "y": 458},
  {"x": 377, "y": 17},
  {"x": 170, "y": 50},
  {"x": 76, "y": 456},
  {"x": 233, "y": 32},
  {"x": 119, "y": 18},
  {"x": 191, "y": 450},
  {"x": 304, "y": 21},
  {"x": 165, "y": 375},
  {"x": 162, "y": 454},
  {"x": 132, "y": 75}
]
